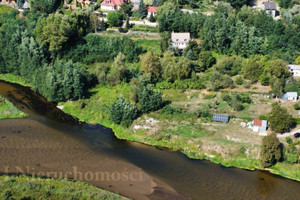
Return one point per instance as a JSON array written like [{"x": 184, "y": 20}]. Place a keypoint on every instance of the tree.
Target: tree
[
  {"x": 151, "y": 65},
  {"x": 126, "y": 8},
  {"x": 297, "y": 61},
  {"x": 149, "y": 99},
  {"x": 118, "y": 70},
  {"x": 229, "y": 65},
  {"x": 271, "y": 151},
  {"x": 53, "y": 31},
  {"x": 152, "y": 18},
  {"x": 123, "y": 112},
  {"x": 114, "y": 19},
  {"x": 46, "y": 6},
  {"x": 172, "y": 70},
  {"x": 280, "y": 120},
  {"x": 165, "y": 41},
  {"x": 252, "y": 70},
  {"x": 142, "y": 10},
  {"x": 62, "y": 81},
  {"x": 207, "y": 60}
]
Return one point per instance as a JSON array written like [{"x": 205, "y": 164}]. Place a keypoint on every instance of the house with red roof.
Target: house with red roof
[
  {"x": 259, "y": 125},
  {"x": 111, "y": 5},
  {"x": 152, "y": 10}
]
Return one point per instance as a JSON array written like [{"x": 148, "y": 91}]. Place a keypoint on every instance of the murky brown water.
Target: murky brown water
[{"x": 52, "y": 144}]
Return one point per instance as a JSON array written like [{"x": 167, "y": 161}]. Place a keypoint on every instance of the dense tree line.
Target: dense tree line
[{"x": 245, "y": 32}]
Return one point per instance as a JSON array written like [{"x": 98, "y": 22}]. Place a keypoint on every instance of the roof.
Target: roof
[
  {"x": 260, "y": 123},
  {"x": 270, "y": 5},
  {"x": 152, "y": 9},
  {"x": 26, "y": 5},
  {"x": 294, "y": 67},
  {"x": 112, "y": 2},
  {"x": 180, "y": 37},
  {"x": 291, "y": 94},
  {"x": 220, "y": 118},
  {"x": 257, "y": 122}
]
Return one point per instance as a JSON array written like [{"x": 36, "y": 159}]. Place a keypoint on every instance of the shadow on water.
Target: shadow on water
[{"x": 172, "y": 171}]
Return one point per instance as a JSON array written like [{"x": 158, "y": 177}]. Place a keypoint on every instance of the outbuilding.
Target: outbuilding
[
  {"x": 290, "y": 96},
  {"x": 259, "y": 125},
  {"x": 221, "y": 118}
]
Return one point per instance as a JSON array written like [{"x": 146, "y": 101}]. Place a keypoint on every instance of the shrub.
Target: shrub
[
  {"x": 288, "y": 140},
  {"x": 239, "y": 80},
  {"x": 149, "y": 99},
  {"x": 123, "y": 112},
  {"x": 169, "y": 109},
  {"x": 280, "y": 120},
  {"x": 271, "y": 151}
]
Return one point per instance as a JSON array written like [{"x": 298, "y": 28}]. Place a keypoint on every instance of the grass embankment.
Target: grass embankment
[
  {"x": 14, "y": 79},
  {"x": 24, "y": 187},
  {"x": 226, "y": 144},
  {"x": 4, "y": 9},
  {"x": 9, "y": 111}
]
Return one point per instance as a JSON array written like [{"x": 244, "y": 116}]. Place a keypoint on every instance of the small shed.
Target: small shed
[
  {"x": 259, "y": 125},
  {"x": 221, "y": 118},
  {"x": 290, "y": 96}
]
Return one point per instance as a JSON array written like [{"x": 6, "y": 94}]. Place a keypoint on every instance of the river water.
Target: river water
[{"x": 51, "y": 143}]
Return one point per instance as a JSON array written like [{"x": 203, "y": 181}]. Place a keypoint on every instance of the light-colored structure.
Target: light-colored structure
[
  {"x": 180, "y": 40},
  {"x": 294, "y": 69},
  {"x": 270, "y": 7},
  {"x": 259, "y": 125},
  {"x": 111, "y": 5},
  {"x": 26, "y": 5},
  {"x": 290, "y": 96},
  {"x": 151, "y": 10}
]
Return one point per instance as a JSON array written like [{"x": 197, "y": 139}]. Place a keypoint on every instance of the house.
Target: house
[
  {"x": 270, "y": 8},
  {"x": 221, "y": 118},
  {"x": 294, "y": 69},
  {"x": 111, "y": 5},
  {"x": 259, "y": 125},
  {"x": 290, "y": 96},
  {"x": 152, "y": 10},
  {"x": 180, "y": 40},
  {"x": 136, "y": 4}
]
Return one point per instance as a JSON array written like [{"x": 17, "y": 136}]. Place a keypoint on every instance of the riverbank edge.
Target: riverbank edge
[
  {"x": 120, "y": 133},
  {"x": 57, "y": 181}
]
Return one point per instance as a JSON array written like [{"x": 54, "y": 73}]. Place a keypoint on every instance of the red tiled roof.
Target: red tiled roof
[
  {"x": 112, "y": 2},
  {"x": 152, "y": 9},
  {"x": 257, "y": 122}
]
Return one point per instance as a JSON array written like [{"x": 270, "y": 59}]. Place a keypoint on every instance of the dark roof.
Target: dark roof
[
  {"x": 270, "y": 5},
  {"x": 221, "y": 118}
]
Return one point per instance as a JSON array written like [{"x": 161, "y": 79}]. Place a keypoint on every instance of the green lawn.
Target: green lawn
[
  {"x": 24, "y": 187},
  {"x": 5, "y": 9},
  {"x": 149, "y": 45},
  {"x": 14, "y": 79},
  {"x": 8, "y": 110}
]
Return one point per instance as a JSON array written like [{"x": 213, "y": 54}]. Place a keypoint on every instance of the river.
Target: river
[{"x": 51, "y": 143}]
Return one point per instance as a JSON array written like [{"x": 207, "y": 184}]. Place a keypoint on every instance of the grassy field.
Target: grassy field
[
  {"x": 24, "y": 187},
  {"x": 14, "y": 79},
  {"x": 9, "y": 111},
  {"x": 5, "y": 9},
  {"x": 199, "y": 138}
]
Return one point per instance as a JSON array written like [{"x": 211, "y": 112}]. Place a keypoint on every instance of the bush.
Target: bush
[
  {"x": 239, "y": 80},
  {"x": 288, "y": 140},
  {"x": 280, "y": 120},
  {"x": 263, "y": 117},
  {"x": 123, "y": 112},
  {"x": 297, "y": 106},
  {"x": 169, "y": 109},
  {"x": 271, "y": 151},
  {"x": 149, "y": 99},
  {"x": 114, "y": 19}
]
